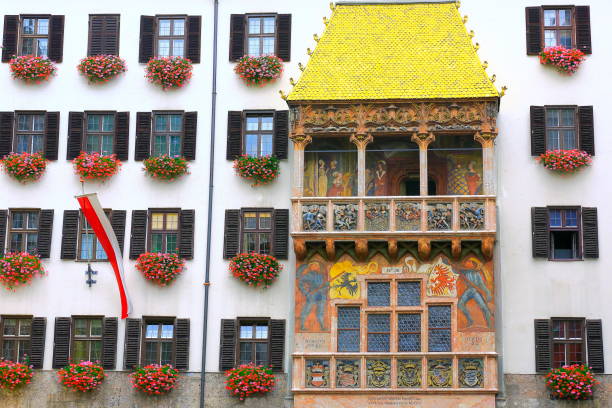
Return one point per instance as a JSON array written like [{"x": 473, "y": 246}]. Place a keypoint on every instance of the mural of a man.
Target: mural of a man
[
  {"x": 313, "y": 285},
  {"x": 476, "y": 290}
]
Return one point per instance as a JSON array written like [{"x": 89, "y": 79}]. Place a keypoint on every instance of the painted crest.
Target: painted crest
[
  {"x": 379, "y": 373},
  {"x": 409, "y": 373},
  {"x": 317, "y": 373},
  {"x": 470, "y": 373},
  {"x": 439, "y": 373},
  {"x": 347, "y": 374}
]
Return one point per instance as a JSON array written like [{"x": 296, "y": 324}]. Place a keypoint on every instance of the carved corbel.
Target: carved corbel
[
  {"x": 456, "y": 248},
  {"x": 330, "y": 249},
  {"x": 361, "y": 249},
  {"x": 424, "y": 248},
  {"x": 485, "y": 139},
  {"x": 299, "y": 247},
  {"x": 361, "y": 140},
  {"x": 423, "y": 139},
  {"x": 300, "y": 141},
  {"x": 392, "y": 248},
  {"x": 487, "y": 247}
]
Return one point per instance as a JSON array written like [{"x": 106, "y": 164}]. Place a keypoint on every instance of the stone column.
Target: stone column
[
  {"x": 300, "y": 141},
  {"x": 487, "y": 140},
  {"x": 361, "y": 141},
  {"x": 423, "y": 139}
]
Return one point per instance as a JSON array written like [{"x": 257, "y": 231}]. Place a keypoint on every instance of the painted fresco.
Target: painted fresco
[
  {"x": 392, "y": 167},
  {"x": 330, "y": 174},
  {"x": 311, "y": 298},
  {"x": 455, "y": 165}
]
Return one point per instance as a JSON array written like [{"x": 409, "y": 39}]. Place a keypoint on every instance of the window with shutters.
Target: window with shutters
[
  {"x": 568, "y": 342},
  {"x": 561, "y": 128},
  {"x": 261, "y": 35},
  {"x": 103, "y": 34},
  {"x": 170, "y": 36},
  {"x": 257, "y": 231},
  {"x": 564, "y": 226},
  {"x": 15, "y": 338},
  {"x": 566, "y": 26},
  {"x": 34, "y": 36},
  {"x": 23, "y": 231},
  {"x": 258, "y": 134},
  {"x": 90, "y": 248},
  {"x": 164, "y": 231},
  {"x": 158, "y": 341},
  {"x": 253, "y": 342},
  {"x": 167, "y": 134},
  {"x": 86, "y": 339},
  {"x": 29, "y": 133},
  {"x": 100, "y": 133},
  {"x": 558, "y": 27}
]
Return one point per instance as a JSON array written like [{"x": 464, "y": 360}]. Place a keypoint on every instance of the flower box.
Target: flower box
[
  {"x": 248, "y": 380},
  {"x": 14, "y": 375},
  {"x": 565, "y": 161},
  {"x": 31, "y": 69},
  {"x": 566, "y": 60},
  {"x": 160, "y": 268},
  {"x": 259, "y": 70},
  {"x": 84, "y": 376},
  {"x": 155, "y": 379},
  {"x": 260, "y": 170},
  {"x": 165, "y": 167},
  {"x": 169, "y": 72},
  {"x": 24, "y": 167},
  {"x": 94, "y": 166},
  {"x": 18, "y": 269},
  {"x": 255, "y": 269},
  {"x": 573, "y": 382},
  {"x": 101, "y": 68}
]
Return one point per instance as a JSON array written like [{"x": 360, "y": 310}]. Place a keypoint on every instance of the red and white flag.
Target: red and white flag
[{"x": 101, "y": 226}]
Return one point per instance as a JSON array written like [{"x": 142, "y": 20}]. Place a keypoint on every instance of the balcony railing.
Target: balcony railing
[{"x": 439, "y": 215}]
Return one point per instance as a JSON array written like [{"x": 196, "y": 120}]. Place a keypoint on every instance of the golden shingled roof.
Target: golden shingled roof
[{"x": 394, "y": 51}]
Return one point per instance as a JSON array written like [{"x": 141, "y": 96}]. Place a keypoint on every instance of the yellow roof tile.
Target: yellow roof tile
[{"x": 394, "y": 51}]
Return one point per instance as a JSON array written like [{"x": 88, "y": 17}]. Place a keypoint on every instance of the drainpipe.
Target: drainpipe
[{"x": 211, "y": 171}]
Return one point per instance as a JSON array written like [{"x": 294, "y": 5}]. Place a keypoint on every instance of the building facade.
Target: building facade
[{"x": 419, "y": 268}]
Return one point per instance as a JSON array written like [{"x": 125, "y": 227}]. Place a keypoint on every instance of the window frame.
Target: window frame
[
  {"x": 389, "y": 333},
  {"x": 3, "y": 317},
  {"x": 581, "y": 341},
  {"x": 577, "y": 229},
  {"x": 146, "y": 320},
  {"x": 575, "y": 127},
  {"x": 557, "y": 28},
  {"x": 17, "y": 132},
  {"x": 181, "y": 133},
  {"x": 86, "y": 132},
  {"x": 259, "y": 132},
  {"x": 10, "y": 231},
  {"x": 449, "y": 328},
  {"x": 358, "y": 329},
  {"x": 261, "y": 35},
  {"x": 257, "y": 230},
  {"x": 165, "y": 231},
  {"x": 253, "y": 321},
  {"x": 399, "y": 332},
  {"x": 21, "y": 36},
  {"x": 89, "y": 339},
  {"x": 90, "y": 37},
  {"x": 82, "y": 220},
  {"x": 171, "y": 37}
]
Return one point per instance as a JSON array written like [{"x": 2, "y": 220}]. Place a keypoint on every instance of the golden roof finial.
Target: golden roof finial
[
  {"x": 472, "y": 34},
  {"x": 282, "y": 95},
  {"x": 493, "y": 78},
  {"x": 325, "y": 20},
  {"x": 300, "y": 66},
  {"x": 316, "y": 37},
  {"x": 503, "y": 91},
  {"x": 476, "y": 47},
  {"x": 465, "y": 19},
  {"x": 308, "y": 51},
  {"x": 485, "y": 65},
  {"x": 332, "y": 7},
  {"x": 292, "y": 81},
  {"x": 457, "y": 4}
]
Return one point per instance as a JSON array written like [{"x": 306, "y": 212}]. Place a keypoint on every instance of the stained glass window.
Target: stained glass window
[
  {"x": 379, "y": 293},
  {"x": 439, "y": 328},
  {"x": 348, "y": 328},
  {"x": 409, "y": 332},
  {"x": 379, "y": 328},
  {"x": 409, "y": 293}
]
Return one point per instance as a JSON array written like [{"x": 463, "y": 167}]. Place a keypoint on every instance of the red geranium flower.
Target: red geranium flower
[
  {"x": 255, "y": 269},
  {"x": 165, "y": 167},
  {"x": 14, "y": 375},
  {"x": 155, "y": 379},
  {"x": 566, "y": 60},
  {"x": 31, "y": 69},
  {"x": 24, "y": 167},
  {"x": 160, "y": 268},
  {"x": 18, "y": 269},
  {"x": 84, "y": 376},
  {"x": 573, "y": 382},
  {"x": 94, "y": 166},
  {"x": 247, "y": 379},
  {"x": 169, "y": 72},
  {"x": 101, "y": 68},
  {"x": 565, "y": 161},
  {"x": 259, "y": 70},
  {"x": 261, "y": 170}
]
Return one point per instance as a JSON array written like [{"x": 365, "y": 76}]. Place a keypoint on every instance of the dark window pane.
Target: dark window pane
[
  {"x": 151, "y": 353},
  {"x": 246, "y": 353},
  {"x": 378, "y": 332},
  {"x": 348, "y": 317},
  {"x": 439, "y": 317},
  {"x": 409, "y": 293},
  {"x": 440, "y": 340},
  {"x": 379, "y": 293},
  {"x": 166, "y": 353},
  {"x": 261, "y": 353},
  {"x": 348, "y": 340},
  {"x": 564, "y": 244}
]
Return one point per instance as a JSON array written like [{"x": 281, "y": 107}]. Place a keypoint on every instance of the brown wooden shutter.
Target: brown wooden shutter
[
  {"x": 146, "y": 50},
  {"x": 227, "y": 352},
  {"x": 103, "y": 34},
  {"x": 3, "y": 225},
  {"x": 143, "y": 135},
  {"x": 277, "y": 344},
  {"x": 538, "y": 130},
  {"x": 543, "y": 346},
  {"x": 56, "y": 38},
  {"x": 51, "y": 135},
  {"x": 45, "y": 232},
  {"x": 138, "y": 235},
  {"x": 583, "y": 29},
  {"x": 61, "y": 342},
  {"x": 109, "y": 343},
  {"x": 590, "y": 236},
  {"x": 281, "y": 233},
  {"x": 132, "y": 343},
  {"x": 281, "y": 134},
  {"x": 234, "y": 135},
  {"x": 7, "y": 120},
  {"x": 533, "y": 18},
  {"x": 595, "y": 349},
  {"x": 231, "y": 239},
  {"x": 237, "y": 23},
  {"x": 182, "y": 344},
  {"x": 194, "y": 28},
  {"x": 189, "y": 137},
  {"x": 187, "y": 220},
  {"x": 70, "y": 232},
  {"x": 75, "y": 134},
  {"x": 37, "y": 341},
  {"x": 122, "y": 135},
  {"x": 586, "y": 129},
  {"x": 283, "y": 43},
  {"x": 117, "y": 220},
  {"x": 540, "y": 243},
  {"x": 9, "y": 39}
]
